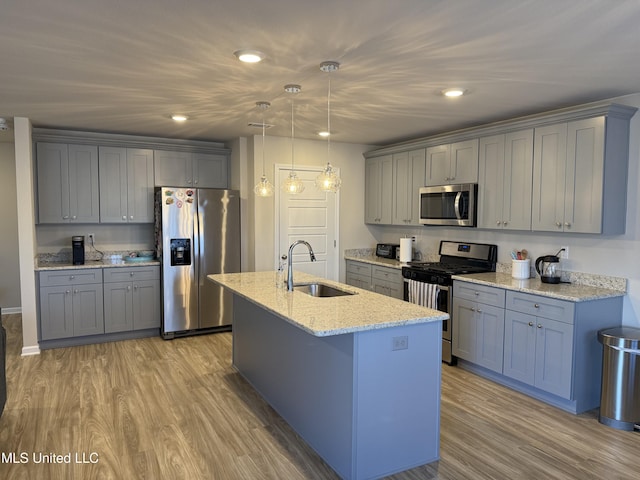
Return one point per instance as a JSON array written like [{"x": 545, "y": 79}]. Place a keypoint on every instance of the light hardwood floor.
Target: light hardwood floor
[{"x": 154, "y": 409}]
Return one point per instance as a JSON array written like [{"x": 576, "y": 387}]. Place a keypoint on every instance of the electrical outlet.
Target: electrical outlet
[
  {"x": 413, "y": 238},
  {"x": 400, "y": 343},
  {"x": 564, "y": 253},
  {"x": 91, "y": 237}
]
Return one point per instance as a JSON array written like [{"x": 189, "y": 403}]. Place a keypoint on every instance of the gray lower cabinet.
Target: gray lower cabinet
[
  {"x": 126, "y": 185},
  {"x": 478, "y": 325},
  {"x": 67, "y": 178},
  {"x": 71, "y": 303},
  {"x": 376, "y": 278},
  {"x": 550, "y": 347},
  {"x": 186, "y": 169},
  {"x": 131, "y": 298}
]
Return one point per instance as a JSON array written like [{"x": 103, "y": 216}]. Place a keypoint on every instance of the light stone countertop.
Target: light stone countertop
[
  {"x": 107, "y": 263},
  {"x": 372, "y": 259},
  {"x": 326, "y": 316},
  {"x": 561, "y": 291}
]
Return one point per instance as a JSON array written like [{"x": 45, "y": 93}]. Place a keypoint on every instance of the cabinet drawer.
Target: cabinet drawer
[
  {"x": 359, "y": 268},
  {"x": 387, "y": 274},
  {"x": 120, "y": 274},
  {"x": 479, "y": 293},
  {"x": 70, "y": 277},
  {"x": 540, "y": 306}
]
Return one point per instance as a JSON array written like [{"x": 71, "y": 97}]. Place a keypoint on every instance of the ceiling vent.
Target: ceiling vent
[{"x": 259, "y": 125}]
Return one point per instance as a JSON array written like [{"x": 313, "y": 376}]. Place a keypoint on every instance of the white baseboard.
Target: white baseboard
[
  {"x": 33, "y": 350},
  {"x": 10, "y": 310}
]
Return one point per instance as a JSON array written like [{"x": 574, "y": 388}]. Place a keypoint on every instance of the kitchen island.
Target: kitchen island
[{"x": 357, "y": 376}]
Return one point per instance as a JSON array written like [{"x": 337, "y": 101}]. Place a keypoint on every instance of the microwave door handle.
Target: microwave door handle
[{"x": 456, "y": 205}]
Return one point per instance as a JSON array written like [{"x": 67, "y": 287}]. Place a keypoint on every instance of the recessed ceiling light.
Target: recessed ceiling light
[
  {"x": 179, "y": 118},
  {"x": 249, "y": 56},
  {"x": 453, "y": 92},
  {"x": 324, "y": 134}
]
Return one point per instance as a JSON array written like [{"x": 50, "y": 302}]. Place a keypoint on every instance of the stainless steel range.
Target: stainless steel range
[{"x": 456, "y": 258}]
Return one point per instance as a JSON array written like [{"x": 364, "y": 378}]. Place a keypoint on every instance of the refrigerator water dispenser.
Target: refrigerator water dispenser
[{"x": 180, "y": 251}]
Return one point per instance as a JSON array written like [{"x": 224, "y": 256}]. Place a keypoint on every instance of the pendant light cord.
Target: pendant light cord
[
  {"x": 329, "y": 121},
  {"x": 292, "y": 133}
]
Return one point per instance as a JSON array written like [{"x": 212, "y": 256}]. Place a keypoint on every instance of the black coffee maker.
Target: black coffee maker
[{"x": 77, "y": 247}]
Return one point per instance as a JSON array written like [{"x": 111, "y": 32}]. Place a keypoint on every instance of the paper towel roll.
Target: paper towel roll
[{"x": 406, "y": 250}]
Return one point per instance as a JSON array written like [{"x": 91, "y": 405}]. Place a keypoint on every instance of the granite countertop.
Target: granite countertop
[
  {"x": 43, "y": 265},
  {"x": 372, "y": 259},
  {"x": 561, "y": 291},
  {"x": 326, "y": 316}
]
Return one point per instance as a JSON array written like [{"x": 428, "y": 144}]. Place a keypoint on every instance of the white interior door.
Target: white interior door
[{"x": 311, "y": 216}]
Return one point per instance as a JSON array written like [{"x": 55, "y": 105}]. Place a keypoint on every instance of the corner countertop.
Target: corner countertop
[
  {"x": 373, "y": 260},
  {"x": 52, "y": 265},
  {"x": 324, "y": 317},
  {"x": 561, "y": 291}
]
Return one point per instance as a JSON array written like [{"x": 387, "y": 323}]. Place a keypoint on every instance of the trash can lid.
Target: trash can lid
[{"x": 621, "y": 337}]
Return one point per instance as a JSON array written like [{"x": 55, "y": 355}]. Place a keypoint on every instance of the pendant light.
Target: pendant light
[
  {"x": 263, "y": 188},
  {"x": 292, "y": 185},
  {"x": 328, "y": 180}
]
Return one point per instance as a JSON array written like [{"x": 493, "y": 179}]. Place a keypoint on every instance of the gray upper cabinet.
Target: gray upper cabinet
[
  {"x": 184, "y": 169},
  {"x": 378, "y": 190},
  {"x": 67, "y": 177},
  {"x": 579, "y": 176},
  {"x": 126, "y": 185},
  {"x": 453, "y": 163},
  {"x": 504, "y": 181},
  {"x": 408, "y": 177}
]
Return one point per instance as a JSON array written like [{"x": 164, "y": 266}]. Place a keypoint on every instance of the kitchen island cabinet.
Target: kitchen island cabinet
[
  {"x": 376, "y": 276},
  {"x": 357, "y": 376},
  {"x": 551, "y": 351}
]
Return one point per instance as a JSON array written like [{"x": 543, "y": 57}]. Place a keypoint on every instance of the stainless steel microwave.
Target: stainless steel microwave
[{"x": 451, "y": 205}]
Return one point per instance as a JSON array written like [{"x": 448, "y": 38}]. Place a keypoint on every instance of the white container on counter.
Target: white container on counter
[
  {"x": 406, "y": 250},
  {"x": 521, "y": 269}
]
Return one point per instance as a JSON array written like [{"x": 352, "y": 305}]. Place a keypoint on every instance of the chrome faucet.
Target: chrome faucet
[{"x": 290, "y": 262}]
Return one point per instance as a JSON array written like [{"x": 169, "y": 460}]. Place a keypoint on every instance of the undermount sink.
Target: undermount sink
[{"x": 321, "y": 290}]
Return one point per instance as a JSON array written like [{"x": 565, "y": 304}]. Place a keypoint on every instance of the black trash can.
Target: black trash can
[{"x": 620, "y": 396}]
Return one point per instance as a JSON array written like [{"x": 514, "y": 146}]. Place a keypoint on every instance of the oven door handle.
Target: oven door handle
[{"x": 456, "y": 205}]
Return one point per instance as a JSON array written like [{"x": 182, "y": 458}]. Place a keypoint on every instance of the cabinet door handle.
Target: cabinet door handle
[
  {"x": 567, "y": 224},
  {"x": 72, "y": 277},
  {"x": 473, "y": 309},
  {"x": 135, "y": 286},
  {"x": 128, "y": 288},
  {"x": 75, "y": 291},
  {"x": 505, "y": 223},
  {"x": 558, "y": 224},
  {"x": 498, "y": 222},
  {"x": 65, "y": 217},
  {"x": 195, "y": 182},
  {"x": 479, "y": 311},
  {"x": 74, "y": 217},
  {"x": 67, "y": 292},
  {"x": 131, "y": 274},
  {"x": 539, "y": 326},
  {"x": 476, "y": 293},
  {"x": 531, "y": 324},
  {"x": 131, "y": 217},
  {"x": 124, "y": 218},
  {"x": 536, "y": 305}
]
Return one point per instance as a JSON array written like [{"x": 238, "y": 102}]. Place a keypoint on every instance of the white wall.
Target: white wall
[
  {"x": 617, "y": 256},
  {"x": 347, "y": 157},
  {"x": 10, "y": 278}
]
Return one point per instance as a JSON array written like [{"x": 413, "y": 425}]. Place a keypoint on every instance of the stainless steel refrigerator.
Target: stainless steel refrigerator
[{"x": 197, "y": 234}]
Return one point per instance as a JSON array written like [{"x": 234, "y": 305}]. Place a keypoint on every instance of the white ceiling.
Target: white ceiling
[{"x": 125, "y": 66}]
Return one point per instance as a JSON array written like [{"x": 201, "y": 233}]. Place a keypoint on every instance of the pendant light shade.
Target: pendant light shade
[
  {"x": 292, "y": 185},
  {"x": 263, "y": 188},
  {"x": 328, "y": 180}
]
